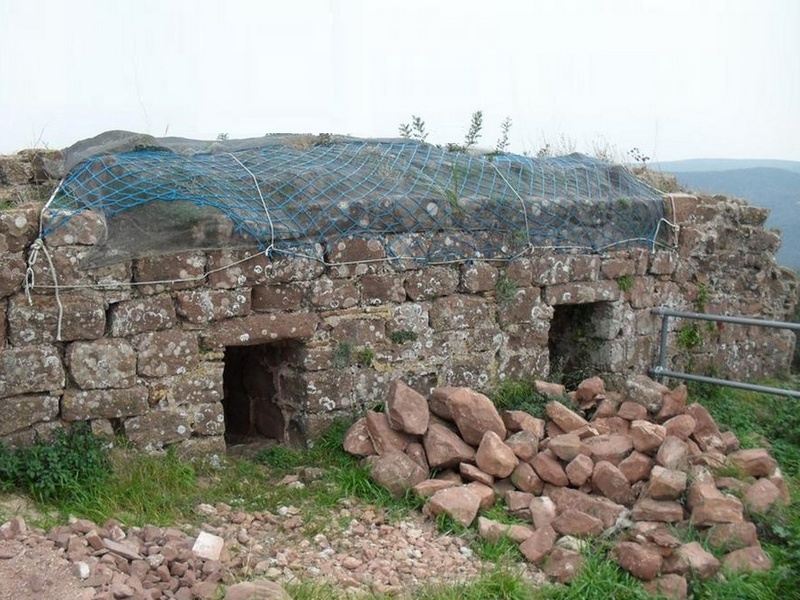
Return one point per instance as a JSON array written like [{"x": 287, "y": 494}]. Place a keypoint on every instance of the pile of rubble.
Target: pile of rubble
[{"x": 644, "y": 469}]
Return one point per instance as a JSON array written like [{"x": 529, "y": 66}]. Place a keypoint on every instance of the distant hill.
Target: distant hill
[
  {"x": 775, "y": 188},
  {"x": 724, "y": 164}
]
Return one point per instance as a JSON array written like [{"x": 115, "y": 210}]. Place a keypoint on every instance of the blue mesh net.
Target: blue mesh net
[{"x": 435, "y": 205}]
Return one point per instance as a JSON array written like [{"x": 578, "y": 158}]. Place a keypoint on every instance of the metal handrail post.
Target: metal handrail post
[{"x": 662, "y": 351}]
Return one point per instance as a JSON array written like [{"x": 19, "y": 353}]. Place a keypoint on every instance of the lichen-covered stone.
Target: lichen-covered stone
[
  {"x": 82, "y": 405},
  {"x": 12, "y": 273},
  {"x": 478, "y": 277},
  {"x": 176, "y": 271},
  {"x": 382, "y": 289},
  {"x": 260, "y": 329},
  {"x": 30, "y": 370},
  {"x": 331, "y": 294},
  {"x": 201, "y": 384},
  {"x": 207, "y": 418},
  {"x": 157, "y": 429},
  {"x": 460, "y": 312},
  {"x": 83, "y": 318},
  {"x": 204, "y": 306},
  {"x": 20, "y": 412},
  {"x": 164, "y": 353},
  {"x": 102, "y": 364},
  {"x": 284, "y": 297},
  {"x": 142, "y": 315},
  {"x": 19, "y": 227}
]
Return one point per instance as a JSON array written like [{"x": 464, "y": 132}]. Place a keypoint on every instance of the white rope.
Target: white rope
[
  {"x": 521, "y": 201},
  {"x": 271, "y": 246}
]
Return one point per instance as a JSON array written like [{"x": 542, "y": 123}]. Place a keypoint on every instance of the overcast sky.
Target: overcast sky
[{"x": 675, "y": 78}]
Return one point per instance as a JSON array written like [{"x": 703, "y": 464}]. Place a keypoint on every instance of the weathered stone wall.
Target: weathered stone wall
[{"x": 142, "y": 344}]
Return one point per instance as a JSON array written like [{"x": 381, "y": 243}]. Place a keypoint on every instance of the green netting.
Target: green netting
[{"x": 290, "y": 193}]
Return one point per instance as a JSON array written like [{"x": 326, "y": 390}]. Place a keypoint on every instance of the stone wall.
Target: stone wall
[{"x": 157, "y": 349}]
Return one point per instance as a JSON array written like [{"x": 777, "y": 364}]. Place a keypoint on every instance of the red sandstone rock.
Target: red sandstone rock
[
  {"x": 546, "y": 388},
  {"x": 459, "y": 503},
  {"x": 632, "y": 411},
  {"x": 475, "y": 414},
  {"x": 671, "y": 586},
  {"x": 566, "y": 446},
  {"x": 357, "y": 441},
  {"x": 439, "y": 402},
  {"x": 549, "y": 469},
  {"x": 730, "y": 441},
  {"x": 563, "y": 565},
  {"x": 761, "y": 496},
  {"x": 641, "y": 561},
  {"x": 518, "y": 502},
  {"x": 747, "y": 560},
  {"x": 726, "y": 509},
  {"x": 577, "y": 523},
  {"x": 665, "y": 511},
  {"x": 525, "y": 444},
  {"x": 396, "y": 472},
  {"x": 612, "y": 483},
  {"x": 444, "y": 448},
  {"x": 606, "y": 408},
  {"x": 701, "y": 563},
  {"x": 484, "y": 493},
  {"x": 636, "y": 467},
  {"x": 566, "y": 419},
  {"x": 525, "y": 479},
  {"x": 383, "y": 437},
  {"x": 643, "y": 390},
  {"x": 647, "y": 436},
  {"x": 425, "y": 489},
  {"x": 588, "y": 390},
  {"x": 494, "y": 457},
  {"x": 756, "y": 462},
  {"x": 666, "y": 484},
  {"x": 519, "y": 420},
  {"x": 673, "y": 453},
  {"x": 472, "y": 473},
  {"x": 539, "y": 544},
  {"x": 579, "y": 470},
  {"x": 612, "y": 447},
  {"x": 732, "y": 536},
  {"x": 680, "y": 426},
  {"x": 543, "y": 511},
  {"x": 416, "y": 452},
  {"x": 494, "y": 531},
  {"x": 604, "y": 509},
  {"x": 407, "y": 409}
]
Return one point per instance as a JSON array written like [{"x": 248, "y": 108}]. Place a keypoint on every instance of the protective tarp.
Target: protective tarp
[{"x": 285, "y": 192}]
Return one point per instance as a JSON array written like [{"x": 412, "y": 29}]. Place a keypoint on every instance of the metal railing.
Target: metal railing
[{"x": 660, "y": 371}]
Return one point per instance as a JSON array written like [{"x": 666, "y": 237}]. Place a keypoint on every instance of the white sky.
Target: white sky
[{"x": 675, "y": 78}]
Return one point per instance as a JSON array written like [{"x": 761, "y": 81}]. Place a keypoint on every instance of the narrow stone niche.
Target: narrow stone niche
[
  {"x": 578, "y": 340},
  {"x": 256, "y": 406}
]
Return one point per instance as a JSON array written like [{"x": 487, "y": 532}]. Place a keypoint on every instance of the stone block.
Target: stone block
[
  {"x": 352, "y": 256},
  {"x": 202, "y": 384},
  {"x": 72, "y": 269},
  {"x": 30, "y": 370},
  {"x": 358, "y": 332},
  {"x": 206, "y": 419},
  {"x": 431, "y": 282},
  {"x": 76, "y": 228},
  {"x": 332, "y": 294},
  {"x": 157, "y": 429},
  {"x": 177, "y": 271},
  {"x": 461, "y": 312},
  {"x": 102, "y": 364},
  {"x": 663, "y": 263},
  {"x": 83, "y": 318},
  {"x": 83, "y": 405},
  {"x": 682, "y": 206},
  {"x": 164, "y": 353},
  {"x": 581, "y": 293},
  {"x": 20, "y": 412},
  {"x": 204, "y": 306},
  {"x": 550, "y": 270},
  {"x": 3, "y": 313},
  {"x": 382, "y": 289},
  {"x": 614, "y": 268},
  {"x": 520, "y": 271},
  {"x": 283, "y": 297},
  {"x": 210, "y": 449},
  {"x": 142, "y": 315},
  {"x": 260, "y": 329},
  {"x": 478, "y": 277},
  {"x": 12, "y": 273},
  {"x": 525, "y": 307},
  {"x": 19, "y": 227}
]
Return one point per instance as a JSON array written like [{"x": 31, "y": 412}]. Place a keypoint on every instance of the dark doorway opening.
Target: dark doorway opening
[
  {"x": 256, "y": 408},
  {"x": 577, "y": 342}
]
